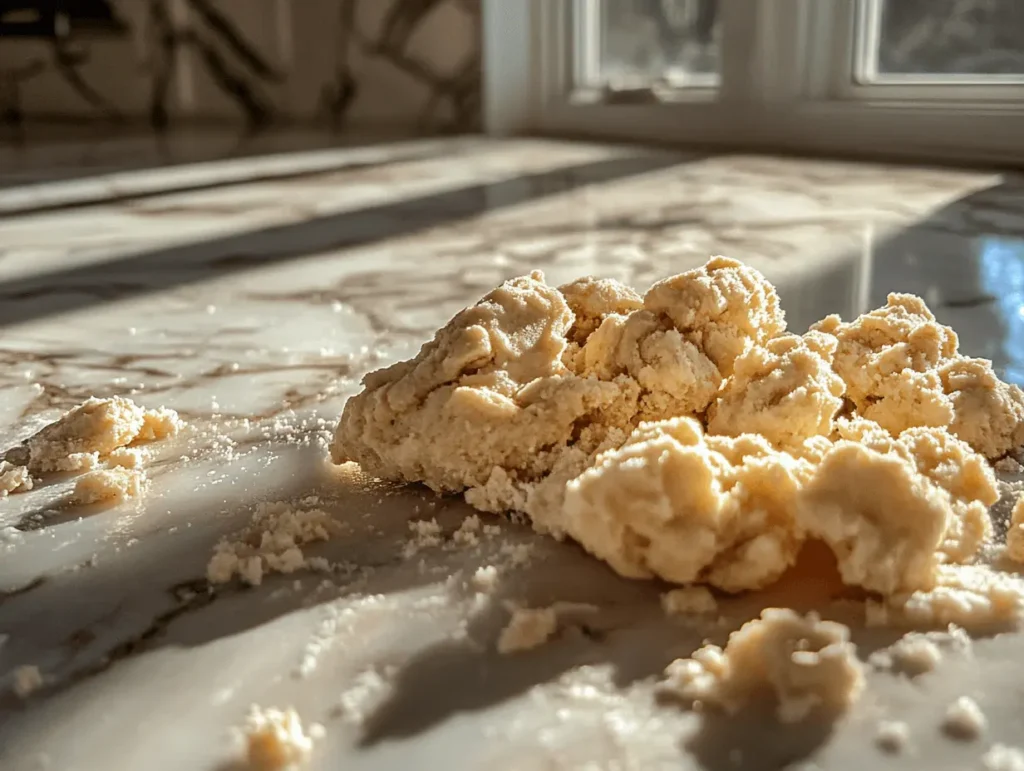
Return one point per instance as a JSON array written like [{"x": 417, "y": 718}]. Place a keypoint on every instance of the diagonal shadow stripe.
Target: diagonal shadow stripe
[{"x": 40, "y": 296}]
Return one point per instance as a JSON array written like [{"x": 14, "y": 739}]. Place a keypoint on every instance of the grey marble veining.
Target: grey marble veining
[{"x": 254, "y": 302}]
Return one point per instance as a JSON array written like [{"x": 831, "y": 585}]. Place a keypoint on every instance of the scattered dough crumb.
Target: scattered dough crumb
[
  {"x": 918, "y": 652},
  {"x": 1003, "y": 758},
  {"x": 26, "y": 680},
  {"x": 276, "y": 740},
  {"x": 689, "y": 600},
  {"x": 271, "y": 543},
  {"x": 466, "y": 535},
  {"x": 426, "y": 533},
  {"x": 808, "y": 664},
  {"x": 114, "y": 485},
  {"x": 964, "y": 719},
  {"x": 127, "y": 457},
  {"x": 485, "y": 579},
  {"x": 892, "y": 736},
  {"x": 369, "y": 688},
  {"x": 527, "y": 628},
  {"x": 13, "y": 479},
  {"x": 1008, "y": 465}
]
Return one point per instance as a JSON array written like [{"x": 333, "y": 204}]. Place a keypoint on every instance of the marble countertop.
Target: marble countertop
[{"x": 252, "y": 295}]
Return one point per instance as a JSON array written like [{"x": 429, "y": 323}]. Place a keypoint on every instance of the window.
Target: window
[{"x": 917, "y": 78}]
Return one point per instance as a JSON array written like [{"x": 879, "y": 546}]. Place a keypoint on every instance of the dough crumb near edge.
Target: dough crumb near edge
[
  {"x": 1001, "y": 757},
  {"x": 270, "y": 543},
  {"x": 111, "y": 485},
  {"x": 27, "y": 679},
  {"x": 526, "y": 629},
  {"x": 893, "y": 736},
  {"x": 14, "y": 479},
  {"x": 1015, "y": 532},
  {"x": 964, "y": 719},
  {"x": 275, "y": 739},
  {"x": 805, "y": 663},
  {"x": 688, "y": 600}
]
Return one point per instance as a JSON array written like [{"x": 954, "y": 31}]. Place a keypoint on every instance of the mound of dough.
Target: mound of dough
[
  {"x": 784, "y": 390},
  {"x": 805, "y": 663},
  {"x": 887, "y": 358},
  {"x": 988, "y": 413},
  {"x": 724, "y": 308},
  {"x": 676, "y": 504},
  {"x": 686, "y": 436}
]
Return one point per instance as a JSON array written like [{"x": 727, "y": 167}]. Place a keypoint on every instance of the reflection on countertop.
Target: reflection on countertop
[{"x": 252, "y": 294}]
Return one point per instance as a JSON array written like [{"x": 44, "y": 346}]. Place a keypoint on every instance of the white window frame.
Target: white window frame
[{"x": 787, "y": 84}]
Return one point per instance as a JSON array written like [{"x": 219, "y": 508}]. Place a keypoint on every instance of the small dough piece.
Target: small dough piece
[
  {"x": 970, "y": 596},
  {"x": 784, "y": 390},
  {"x": 489, "y": 391},
  {"x": 964, "y": 719},
  {"x": 591, "y": 300},
  {"x": 892, "y": 736},
  {"x": 675, "y": 504},
  {"x": 527, "y": 628},
  {"x": 127, "y": 457},
  {"x": 13, "y": 479},
  {"x": 271, "y": 543},
  {"x": 888, "y": 356},
  {"x": 112, "y": 485},
  {"x": 94, "y": 429},
  {"x": 275, "y": 740},
  {"x": 724, "y": 307},
  {"x": 689, "y": 600},
  {"x": 808, "y": 664},
  {"x": 919, "y": 652},
  {"x": 883, "y": 520},
  {"x": 1015, "y": 532},
  {"x": 988, "y": 413}
]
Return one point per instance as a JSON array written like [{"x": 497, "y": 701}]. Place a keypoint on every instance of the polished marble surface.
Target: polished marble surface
[{"x": 253, "y": 301}]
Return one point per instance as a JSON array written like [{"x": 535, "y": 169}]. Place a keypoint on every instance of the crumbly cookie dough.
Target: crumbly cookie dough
[
  {"x": 784, "y": 390},
  {"x": 689, "y": 600},
  {"x": 964, "y": 719},
  {"x": 271, "y": 543},
  {"x": 919, "y": 652},
  {"x": 686, "y": 435},
  {"x": 93, "y": 430},
  {"x": 275, "y": 739},
  {"x": 13, "y": 479},
  {"x": 112, "y": 485},
  {"x": 805, "y": 663}
]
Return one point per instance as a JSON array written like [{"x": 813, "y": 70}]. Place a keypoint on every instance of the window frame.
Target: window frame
[{"x": 787, "y": 84}]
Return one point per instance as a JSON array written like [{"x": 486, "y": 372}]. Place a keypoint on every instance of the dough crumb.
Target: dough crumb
[
  {"x": 970, "y": 596},
  {"x": 919, "y": 652},
  {"x": 466, "y": 535},
  {"x": 95, "y": 429},
  {"x": 275, "y": 739},
  {"x": 426, "y": 533},
  {"x": 1008, "y": 465},
  {"x": 807, "y": 664},
  {"x": 1000, "y": 757},
  {"x": 687, "y": 600},
  {"x": 128, "y": 457},
  {"x": 485, "y": 579},
  {"x": 368, "y": 689},
  {"x": 893, "y": 736},
  {"x": 964, "y": 719},
  {"x": 527, "y": 628},
  {"x": 13, "y": 479},
  {"x": 27, "y": 679},
  {"x": 271, "y": 543},
  {"x": 1015, "y": 532},
  {"x": 112, "y": 485}
]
